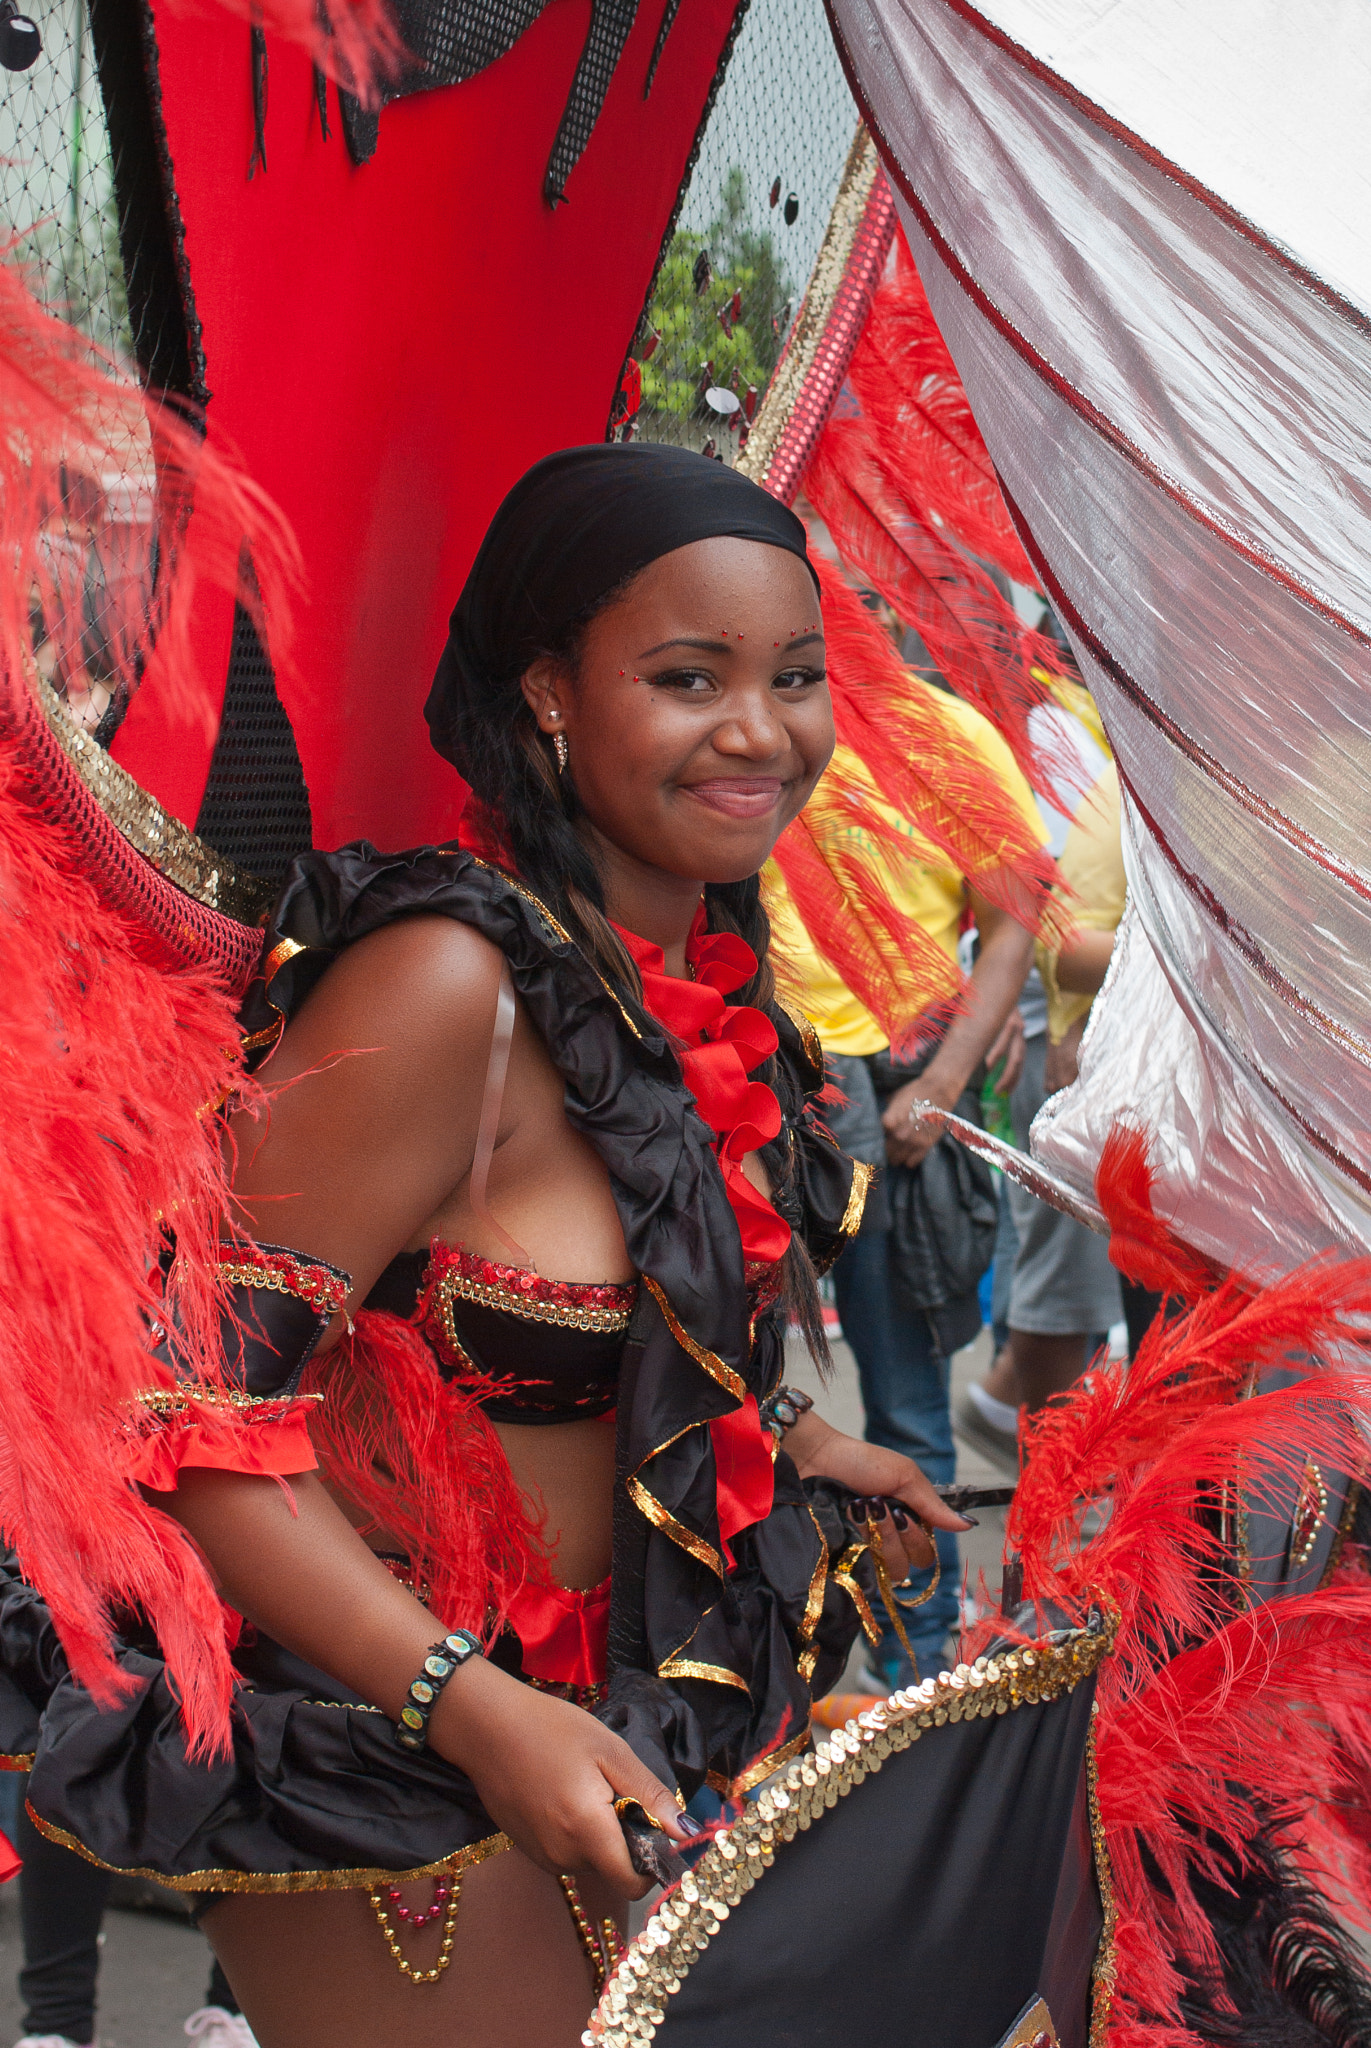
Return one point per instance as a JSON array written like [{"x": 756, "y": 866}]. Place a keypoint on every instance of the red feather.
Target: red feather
[
  {"x": 113, "y": 1057},
  {"x": 424, "y": 1462},
  {"x": 907, "y": 384}
]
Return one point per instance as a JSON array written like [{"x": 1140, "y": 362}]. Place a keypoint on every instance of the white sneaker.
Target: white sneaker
[{"x": 212, "y": 2027}]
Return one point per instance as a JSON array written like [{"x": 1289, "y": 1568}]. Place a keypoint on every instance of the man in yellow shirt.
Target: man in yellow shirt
[
  {"x": 907, "y": 1284},
  {"x": 1063, "y": 1291}
]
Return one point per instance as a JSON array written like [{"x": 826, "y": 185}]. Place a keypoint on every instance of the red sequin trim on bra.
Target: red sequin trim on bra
[{"x": 454, "y": 1274}]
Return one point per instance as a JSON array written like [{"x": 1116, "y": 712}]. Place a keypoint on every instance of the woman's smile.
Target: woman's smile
[{"x": 738, "y": 796}]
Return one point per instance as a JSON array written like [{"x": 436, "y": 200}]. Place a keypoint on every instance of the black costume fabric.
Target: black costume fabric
[
  {"x": 932, "y": 1913},
  {"x": 573, "y": 529},
  {"x": 691, "y": 1354},
  {"x": 705, "y": 1664}
]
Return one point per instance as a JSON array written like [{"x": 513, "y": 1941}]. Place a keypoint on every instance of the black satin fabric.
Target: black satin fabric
[
  {"x": 625, "y": 1093},
  {"x": 704, "y": 1665},
  {"x": 928, "y": 1912},
  {"x": 315, "y": 1782}
]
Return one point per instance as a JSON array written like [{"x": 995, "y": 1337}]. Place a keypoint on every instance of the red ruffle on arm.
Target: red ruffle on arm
[{"x": 273, "y": 1445}]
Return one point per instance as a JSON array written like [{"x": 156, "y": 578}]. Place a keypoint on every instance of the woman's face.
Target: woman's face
[{"x": 698, "y": 718}]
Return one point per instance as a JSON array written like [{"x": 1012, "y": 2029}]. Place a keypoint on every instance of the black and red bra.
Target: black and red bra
[{"x": 533, "y": 1350}]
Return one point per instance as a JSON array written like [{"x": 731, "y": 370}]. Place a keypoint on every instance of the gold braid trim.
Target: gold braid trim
[
  {"x": 1106, "y": 1970},
  {"x": 22, "y": 1762},
  {"x": 862, "y": 1176},
  {"x": 842, "y": 1576},
  {"x": 662, "y": 1518},
  {"x": 765, "y": 1767},
  {"x": 723, "y": 1375},
  {"x": 689, "y": 1667},
  {"x": 282, "y": 1880},
  {"x": 634, "y": 2002}
]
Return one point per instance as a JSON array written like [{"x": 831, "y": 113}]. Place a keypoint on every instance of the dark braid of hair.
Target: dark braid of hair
[{"x": 510, "y": 766}]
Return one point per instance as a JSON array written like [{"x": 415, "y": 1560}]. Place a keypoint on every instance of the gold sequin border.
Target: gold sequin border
[
  {"x": 633, "y": 2005},
  {"x": 162, "y": 840},
  {"x": 1104, "y": 1975},
  {"x": 281, "y": 1881},
  {"x": 811, "y": 323}
]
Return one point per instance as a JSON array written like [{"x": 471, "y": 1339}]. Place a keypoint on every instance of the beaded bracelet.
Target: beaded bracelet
[
  {"x": 782, "y": 1410},
  {"x": 411, "y": 1730}
]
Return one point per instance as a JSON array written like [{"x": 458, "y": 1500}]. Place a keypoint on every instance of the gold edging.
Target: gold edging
[
  {"x": 634, "y": 2001},
  {"x": 280, "y": 1880},
  {"x": 862, "y": 1176},
  {"x": 842, "y": 1576},
  {"x": 715, "y": 1674},
  {"x": 522, "y": 889},
  {"x": 161, "y": 839},
  {"x": 818, "y": 1583},
  {"x": 663, "y": 1519},
  {"x": 508, "y": 1301},
  {"x": 1346, "y": 1523},
  {"x": 806, "y": 337},
  {"x": 22, "y": 1760},
  {"x": 765, "y": 1767},
  {"x": 1105, "y": 1972},
  {"x": 1036, "y": 2026},
  {"x": 723, "y": 1375},
  {"x": 283, "y": 951}
]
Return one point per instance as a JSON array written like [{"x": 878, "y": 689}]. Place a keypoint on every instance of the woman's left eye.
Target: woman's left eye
[
  {"x": 799, "y": 678},
  {"x": 696, "y": 681}
]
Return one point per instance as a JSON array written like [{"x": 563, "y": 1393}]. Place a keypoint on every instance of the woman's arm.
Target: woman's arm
[
  {"x": 375, "y": 1099},
  {"x": 997, "y": 979},
  {"x": 546, "y": 1772}
]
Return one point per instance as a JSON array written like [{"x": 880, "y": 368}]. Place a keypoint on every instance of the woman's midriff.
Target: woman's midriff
[{"x": 565, "y": 1471}]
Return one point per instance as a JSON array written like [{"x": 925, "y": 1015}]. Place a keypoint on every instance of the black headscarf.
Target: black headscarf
[{"x": 575, "y": 527}]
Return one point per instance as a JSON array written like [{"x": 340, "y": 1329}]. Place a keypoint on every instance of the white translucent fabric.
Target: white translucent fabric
[{"x": 1179, "y": 406}]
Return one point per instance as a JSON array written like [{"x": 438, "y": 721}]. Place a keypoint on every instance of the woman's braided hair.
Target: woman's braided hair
[{"x": 511, "y": 769}]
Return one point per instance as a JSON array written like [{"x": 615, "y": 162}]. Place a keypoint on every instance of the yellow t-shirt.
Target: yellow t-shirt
[
  {"x": 1091, "y": 861},
  {"x": 926, "y": 887}
]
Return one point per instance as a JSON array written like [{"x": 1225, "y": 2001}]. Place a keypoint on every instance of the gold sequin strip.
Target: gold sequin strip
[
  {"x": 634, "y": 2002},
  {"x": 784, "y": 392},
  {"x": 1105, "y": 1972},
  {"x": 152, "y": 831},
  {"x": 169, "y": 1402}
]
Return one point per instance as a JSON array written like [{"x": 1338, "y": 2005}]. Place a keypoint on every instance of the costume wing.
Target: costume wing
[{"x": 1145, "y": 244}]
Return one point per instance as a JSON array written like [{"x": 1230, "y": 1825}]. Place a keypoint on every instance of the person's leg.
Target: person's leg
[
  {"x": 904, "y": 1382},
  {"x": 313, "y": 1971},
  {"x": 61, "y": 1903}
]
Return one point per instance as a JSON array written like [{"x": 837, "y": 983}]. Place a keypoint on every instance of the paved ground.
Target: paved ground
[{"x": 153, "y": 1968}]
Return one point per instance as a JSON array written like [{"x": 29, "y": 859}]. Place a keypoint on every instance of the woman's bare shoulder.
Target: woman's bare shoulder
[{"x": 425, "y": 984}]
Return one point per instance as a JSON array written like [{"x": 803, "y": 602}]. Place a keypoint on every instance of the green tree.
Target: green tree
[{"x": 744, "y": 263}]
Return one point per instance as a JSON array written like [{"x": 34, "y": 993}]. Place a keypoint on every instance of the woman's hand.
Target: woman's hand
[
  {"x": 548, "y": 1774},
  {"x": 822, "y": 1452}
]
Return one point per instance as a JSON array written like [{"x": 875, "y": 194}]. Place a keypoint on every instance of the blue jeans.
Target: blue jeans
[{"x": 904, "y": 1381}]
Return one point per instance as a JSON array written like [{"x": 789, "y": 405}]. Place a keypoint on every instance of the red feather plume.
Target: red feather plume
[{"x": 113, "y": 1057}]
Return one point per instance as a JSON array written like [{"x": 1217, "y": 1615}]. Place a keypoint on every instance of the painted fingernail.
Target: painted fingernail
[
  {"x": 899, "y": 1518},
  {"x": 971, "y": 1521},
  {"x": 688, "y": 1824}
]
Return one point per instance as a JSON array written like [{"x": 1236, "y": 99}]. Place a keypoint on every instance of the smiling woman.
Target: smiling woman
[{"x": 508, "y": 1286}]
